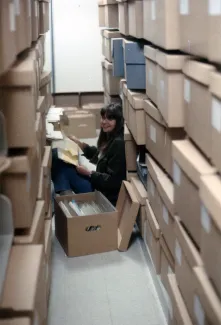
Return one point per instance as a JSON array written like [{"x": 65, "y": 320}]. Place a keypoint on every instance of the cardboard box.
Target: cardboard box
[
  {"x": 16, "y": 321},
  {"x": 211, "y": 228},
  {"x": 125, "y": 103},
  {"x": 4, "y": 160},
  {"x": 97, "y": 233},
  {"x": 22, "y": 11},
  {"x": 46, "y": 166},
  {"x": 197, "y": 104},
  {"x": 95, "y": 108},
  {"x": 162, "y": 201},
  {"x": 207, "y": 305},
  {"x": 35, "y": 234},
  {"x": 215, "y": 107},
  {"x": 152, "y": 236},
  {"x": 159, "y": 137},
  {"x": 44, "y": 17},
  {"x": 108, "y": 13},
  {"x": 170, "y": 88},
  {"x": 82, "y": 125},
  {"x": 108, "y": 99},
  {"x": 151, "y": 72},
  {"x": 123, "y": 18},
  {"x": 149, "y": 20},
  {"x": 45, "y": 88},
  {"x": 39, "y": 130},
  {"x": 24, "y": 292},
  {"x": 118, "y": 57},
  {"x": 19, "y": 103},
  {"x": 41, "y": 108},
  {"x": 35, "y": 19},
  {"x": 139, "y": 190},
  {"x": 48, "y": 255},
  {"x": 167, "y": 263},
  {"x": 179, "y": 313},
  {"x": 189, "y": 166},
  {"x": 8, "y": 48},
  {"x": 135, "y": 14},
  {"x": 20, "y": 185},
  {"x": 111, "y": 84},
  {"x": 130, "y": 150},
  {"x": 136, "y": 116},
  {"x": 107, "y": 36},
  {"x": 130, "y": 175},
  {"x": 141, "y": 218}
]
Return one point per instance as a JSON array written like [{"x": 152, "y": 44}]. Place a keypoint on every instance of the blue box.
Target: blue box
[
  {"x": 133, "y": 53},
  {"x": 118, "y": 57}
]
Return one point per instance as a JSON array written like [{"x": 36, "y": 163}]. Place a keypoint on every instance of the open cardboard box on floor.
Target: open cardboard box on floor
[{"x": 97, "y": 233}]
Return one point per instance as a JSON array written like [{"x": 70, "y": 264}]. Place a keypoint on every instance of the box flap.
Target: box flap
[
  {"x": 22, "y": 278},
  {"x": 191, "y": 161},
  {"x": 111, "y": 33},
  {"x": 150, "y": 52},
  {"x": 171, "y": 61},
  {"x": 163, "y": 184},
  {"x": 21, "y": 161},
  {"x": 139, "y": 190},
  {"x": 188, "y": 247},
  {"x": 153, "y": 111},
  {"x": 32, "y": 235},
  {"x": 210, "y": 189},
  {"x": 136, "y": 99},
  {"x": 198, "y": 71},
  {"x": 208, "y": 297},
  {"x": 152, "y": 221},
  {"x": 167, "y": 252},
  {"x": 41, "y": 104},
  {"x": 47, "y": 160},
  {"x": 180, "y": 312},
  {"x": 107, "y": 65},
  {"x": 16, "y": 321},
  {"x": 128, "y": 208},
  {"x": 215, "y": 84},
  {"x": 48, "y": 236},
  {"x": 45, "y": 78},
  {"x": 127, "y": 134}
]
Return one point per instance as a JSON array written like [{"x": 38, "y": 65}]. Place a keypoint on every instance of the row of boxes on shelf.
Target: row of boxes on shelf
[
  {"x": 21, "y": 23},
  {"x": 175, "y": 25}
]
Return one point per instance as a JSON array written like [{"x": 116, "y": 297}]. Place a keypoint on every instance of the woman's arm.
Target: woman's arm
[{"x": 89, "y": 151}]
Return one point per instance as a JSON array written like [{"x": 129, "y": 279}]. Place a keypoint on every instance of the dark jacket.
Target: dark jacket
[{"x": 111, "y": 168}]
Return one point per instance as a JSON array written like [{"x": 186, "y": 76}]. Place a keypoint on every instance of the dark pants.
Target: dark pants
[{"x": 65, "y": 177}]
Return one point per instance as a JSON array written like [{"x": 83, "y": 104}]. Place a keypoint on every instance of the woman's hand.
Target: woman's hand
[
  {"x": 83, "y": 171},
  {"x": 73, "y": 138}
]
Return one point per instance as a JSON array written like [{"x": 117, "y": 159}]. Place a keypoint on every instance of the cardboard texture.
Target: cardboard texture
[
  {"x": 107, "y": 36},
  {"x": 189, "y": 166},
  {"x": 211, "y": 228},
  {"x": 46, "y": 166},
  {"x": 7, "y": 35},
  {"x": 170, "y": 88},
  {"x": 167, "y": 264},
  {"x": 139, "y": 190},
  {"x": 16, "y": 321},
  {"x": 22, "y": 11},
  {"x": 35, "y": 19},
  {"x": 111, "y": 84},
  {"x": 149, "y": 20},
  {"x": 123, "y": 18},
  {"x": 141, "y": 218},
  {"x": 130, "y": 175},
  {"x": 95, "y": 108},
  {"x": 151, "y": 72},
  {"x": 48, "y": 256},
  {"x": 80, "y": 124},
  {"x": 44, "y": 17},
  {"x": 4, "y": 161},
  {"x": 23, "y": 293},
  {"x": 197, "y": 104},
  {"x": 20, "y": 185},
  {"x": 108, "y": 14},
  {"x": 34, "y": 235},
  {"x": 159, "y": 137},
  {"x": 135, "y": 16},
  {"x": 130, "y": 150}
]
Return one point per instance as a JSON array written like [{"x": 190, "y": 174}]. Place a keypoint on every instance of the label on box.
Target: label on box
[
  {"x": 216, "y": 114},
  {"x": 165, "y": 215},
  {"x": 205, "y": 219},
  {"x": 17, "y": 7},
  {"x": 153, "y": 10},
  {"x": 162, "y": 88},
  {"x": 187, "y": 90},
  {"x": 214, "y": 7},
  {"x": 153, "y": 134},
  {"x": 178, "y": 253},
  {"x": 176, "y": 174},
  {"x": 198, "y": 311},
  {"x": 29, "y": 8},
  {"x": 152, "y": 187},
  {"x": 36, "y": 9},
  {"x": 150, "y": 76},
  {"x": 184, "y": 7},
  {"x": 12, "y": 17}
]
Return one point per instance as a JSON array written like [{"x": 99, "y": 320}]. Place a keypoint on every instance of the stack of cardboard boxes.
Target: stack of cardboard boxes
[
  {"x": 25, "y": 162},
  {"x": 178, "y": 119}
]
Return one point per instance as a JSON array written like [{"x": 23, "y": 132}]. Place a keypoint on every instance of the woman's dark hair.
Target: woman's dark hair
[{"x": 112, "y": 111}]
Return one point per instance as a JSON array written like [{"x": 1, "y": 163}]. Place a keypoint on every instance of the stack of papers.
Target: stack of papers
[{"x": 69, "y": 154}]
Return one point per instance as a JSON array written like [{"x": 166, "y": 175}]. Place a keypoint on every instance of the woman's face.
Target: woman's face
[{"x": 107, "y": 125}]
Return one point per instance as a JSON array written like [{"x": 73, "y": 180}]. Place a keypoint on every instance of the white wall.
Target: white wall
[{"x": 77, "y": 46}]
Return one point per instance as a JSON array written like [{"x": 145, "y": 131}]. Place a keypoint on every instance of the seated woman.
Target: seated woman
[{"x": 109, "y": 155}]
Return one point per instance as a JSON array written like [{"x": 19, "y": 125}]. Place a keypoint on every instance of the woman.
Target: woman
[{"x": 109, "y": 155}]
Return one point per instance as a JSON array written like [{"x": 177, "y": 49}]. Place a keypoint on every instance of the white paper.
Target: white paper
[
  {"x": 153, "y": 133},
  {"x": 187, "y": 93},
  {"x": 184, "y": 7},
  {"x": 165, "y": 215},
  {"x": 216, "y": 114},
  {"x": 17, "y": 7},
  {"x": 205, "y": 219},
  {"x": 176, "y": 174},
  {"x": 153, "y": 10},
  {"x": 214, "y": 7},
  {"x": 162, "y": 88},
  {"x": 198, "y": 311},
  {"x": 152, "y": 187},
  {"x": 178, "y": 252},
  {"x": 12, "y": 17},
  {"x": 150, "y": 76}
]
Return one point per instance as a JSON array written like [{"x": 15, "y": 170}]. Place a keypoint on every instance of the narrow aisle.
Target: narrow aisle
[{"x": 105, "y": 289}]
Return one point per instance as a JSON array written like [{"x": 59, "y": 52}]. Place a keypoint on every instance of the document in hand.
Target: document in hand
[{"x": 69, "y": 154}]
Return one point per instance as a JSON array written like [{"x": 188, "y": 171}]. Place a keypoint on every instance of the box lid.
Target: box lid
[
  {"x": 198, "y": 71},
  {"x": 210, "y": 189},
  {"x": 21, "y": 161},
  {"x": 127, "y": 135},
  {"x": 136, "y": 99},
  {"x": 45, "y": 78},
  {"x": 153, "y": 111},
  {"x": 47, "y": 160},
  {"x": 154, "y": 225},
  {"x": 111, "y": 33},
  {"x": 191, "y": 161},
  {"x": 150, "y": 52},
  {"x": 107, "y": 65},
  {"x": 215, "y": 84},
  {"x": 16, "y": 321},
  {"x": 32, "y": 235},
  {"x": 41, "y": 104},
  {"x": 180, "y": 312},
  {"x": 128, "y": 208},
  {"x": 208, "y": 298},
  {"x": 163, "y": 183},
  {"x": 167, "y": 252},
  {"x": 139, "y": 190},
  {"x": 170, "y": 61},
  {"x": 187, "y": 245}
]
